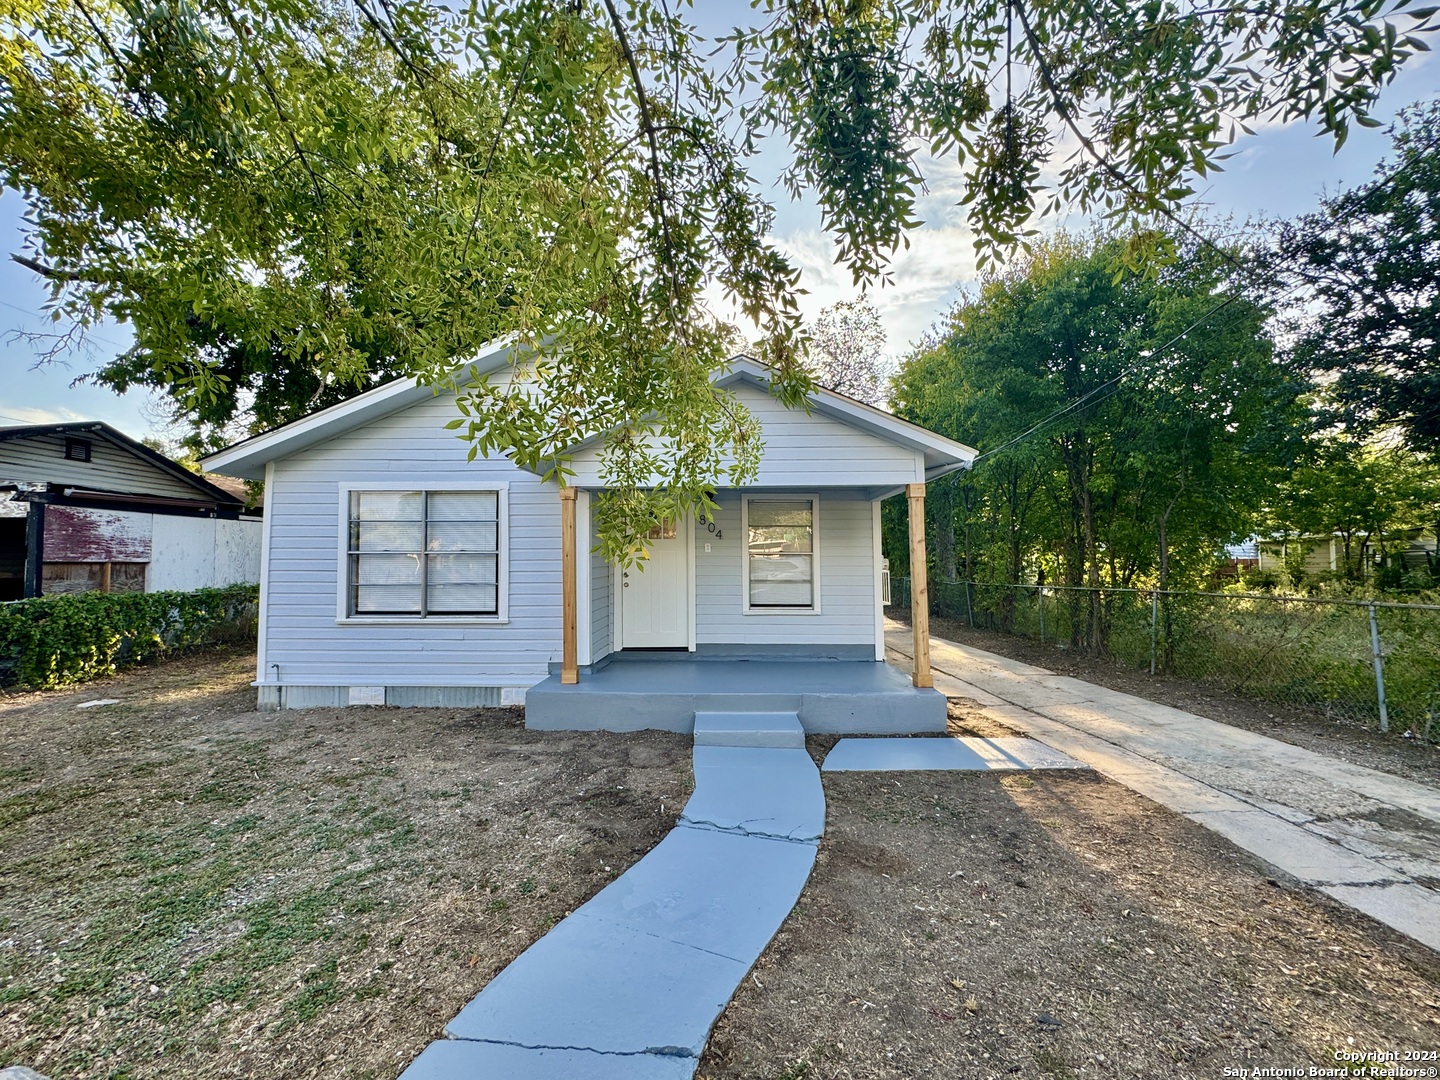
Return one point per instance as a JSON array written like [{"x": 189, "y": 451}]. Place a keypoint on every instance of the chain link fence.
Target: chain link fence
[{"x": 1373, "y": 662}]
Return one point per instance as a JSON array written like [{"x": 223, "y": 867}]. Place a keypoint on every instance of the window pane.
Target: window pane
[
  {"x": 385, "y": 570},
  {"x": 782, "y": 580},
  {"x": 463, "y": 536},
  {"x": 464, "y": 506},
  {"x": 386, "y": 506},
  {"x": 463, "y": 583},
  {"x": 766, "y": 512},
  {"x": 781, "y": 526},
  {"x": 387, "y": 600},
  {"x": 462, "y": 568},
  {"x": 386, "y": 535},
  {"x": 462, "y": 599},
  {"x": 776, "y": 539}
]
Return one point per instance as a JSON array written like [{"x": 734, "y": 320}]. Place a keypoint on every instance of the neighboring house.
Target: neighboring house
[
  {"x": 86, "y": 508},
  {"x": 1319, "y": 554},
  {"x": 396, "y": 572}
]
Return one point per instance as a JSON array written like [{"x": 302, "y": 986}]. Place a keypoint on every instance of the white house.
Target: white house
[{"x": 395, "y": 572}]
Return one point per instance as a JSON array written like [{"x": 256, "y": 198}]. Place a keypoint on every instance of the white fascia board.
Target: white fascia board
[{"x": 247, "y": 459}]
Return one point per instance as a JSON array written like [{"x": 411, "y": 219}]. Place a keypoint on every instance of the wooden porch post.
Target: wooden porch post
[
  {"x": 919, "y": 591},
  {"x": 569, "y": 665}
]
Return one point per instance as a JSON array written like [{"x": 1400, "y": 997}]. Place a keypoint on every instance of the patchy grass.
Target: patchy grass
[{"x": 194, "y": 888}]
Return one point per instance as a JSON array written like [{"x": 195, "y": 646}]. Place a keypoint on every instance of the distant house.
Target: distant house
[
  {"x": 396, "y": 572},
  {"x": 83, "y": 507},
  {"x": 1320, "y": 554}
]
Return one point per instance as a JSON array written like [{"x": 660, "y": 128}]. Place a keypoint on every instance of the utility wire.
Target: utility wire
[{"x": 1111, "y": 386}]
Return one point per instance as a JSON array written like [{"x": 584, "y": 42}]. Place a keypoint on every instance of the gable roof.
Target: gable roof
[
  {"x": 248, "y": 457},
  {"x": 96, "y": 429}
]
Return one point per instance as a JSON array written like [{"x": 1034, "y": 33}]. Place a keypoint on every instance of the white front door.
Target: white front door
[{"x": 655, "y": 593}]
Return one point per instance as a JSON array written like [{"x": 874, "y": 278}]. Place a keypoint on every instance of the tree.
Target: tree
[
  {"x": 1368, "y": 267},
  {"x": 1127, "y": 425},
  {"x": 1370, "y": 496},
  {"x": 293, "y": 200},
  {"x": 847, "y": 345}
]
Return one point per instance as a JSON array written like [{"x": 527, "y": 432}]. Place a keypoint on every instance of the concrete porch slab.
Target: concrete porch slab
[
  {"x": 844, "y": 697},
  {"x": 978, "y": 755}
]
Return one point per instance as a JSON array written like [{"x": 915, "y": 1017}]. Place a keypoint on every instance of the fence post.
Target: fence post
[
  {"x": 1040, "y": 603},
  {"x": 1379, "y": 663},
  {"x": 969, "y": 608},
  {"x": 1154, "y": 623}
]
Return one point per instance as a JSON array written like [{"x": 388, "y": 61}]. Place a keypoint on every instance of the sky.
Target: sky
[{"x": 1278, "y": 172}]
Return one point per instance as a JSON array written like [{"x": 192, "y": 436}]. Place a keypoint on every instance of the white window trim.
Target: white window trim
[
  {"x": 342, "y": 561},
  {"x": 745, "y": 500}
]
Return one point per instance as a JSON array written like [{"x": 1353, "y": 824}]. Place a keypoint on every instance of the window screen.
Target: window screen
[
  {"x": 781, "y": 553},
  {"x": 423, "y": 553}
]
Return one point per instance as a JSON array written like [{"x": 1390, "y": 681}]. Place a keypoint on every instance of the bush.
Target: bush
[{"x": 53, "y": 640}]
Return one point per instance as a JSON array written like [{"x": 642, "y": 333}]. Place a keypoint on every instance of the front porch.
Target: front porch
[{"x": 633, "y": 693}]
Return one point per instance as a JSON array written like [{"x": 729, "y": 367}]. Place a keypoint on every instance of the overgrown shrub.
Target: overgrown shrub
[{"x": 53, "y": 640}]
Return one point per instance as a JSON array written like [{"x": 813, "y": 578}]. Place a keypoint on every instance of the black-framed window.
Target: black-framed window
[
  {"x": 780, "y": 552},
  {"x": 424, "y": 553}
]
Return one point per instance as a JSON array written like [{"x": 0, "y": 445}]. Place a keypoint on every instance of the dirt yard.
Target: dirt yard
[
  {"x": 191, "y": 888},
  {"x": 1341, "y": 739},
  {"x": 968, "y": 925}
]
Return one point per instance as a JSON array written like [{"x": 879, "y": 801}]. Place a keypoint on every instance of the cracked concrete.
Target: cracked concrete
[
  {"x": 1366, "y": 838},
  {"x": 629, "y": 985}
]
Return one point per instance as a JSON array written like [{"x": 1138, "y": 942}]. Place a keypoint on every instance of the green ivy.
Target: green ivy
[{"x": 53, "y": 640}]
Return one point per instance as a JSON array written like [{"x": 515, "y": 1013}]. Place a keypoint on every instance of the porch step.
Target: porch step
[{"x": 768, "y": 729}]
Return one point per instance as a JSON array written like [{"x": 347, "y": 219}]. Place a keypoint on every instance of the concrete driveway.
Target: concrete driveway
[{"x": 1369, "y": 839}]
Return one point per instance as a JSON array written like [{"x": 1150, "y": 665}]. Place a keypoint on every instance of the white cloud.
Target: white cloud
[{"x": 26, "y": 414}]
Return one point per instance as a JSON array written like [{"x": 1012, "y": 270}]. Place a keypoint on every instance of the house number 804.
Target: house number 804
[{"x": 710, "y": 527}]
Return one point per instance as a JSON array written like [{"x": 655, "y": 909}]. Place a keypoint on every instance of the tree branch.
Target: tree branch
[{"x": 48, "y": 271}]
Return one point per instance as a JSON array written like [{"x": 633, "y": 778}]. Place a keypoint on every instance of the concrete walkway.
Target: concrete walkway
[
  {"x": 1369, "y": 839},
  {"x": 628, "y": 987}
]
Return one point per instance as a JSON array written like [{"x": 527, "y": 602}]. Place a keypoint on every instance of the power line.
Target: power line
[{"x": 1099, "y": 393}]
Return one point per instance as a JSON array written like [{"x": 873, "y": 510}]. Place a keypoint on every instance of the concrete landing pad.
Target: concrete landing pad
[{"x": 949, "y": 753}]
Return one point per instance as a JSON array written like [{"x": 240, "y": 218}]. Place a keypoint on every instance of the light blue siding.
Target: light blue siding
[
  {"x": 803, "y": 451},
  {"x": 846, "y": 580},
  {"x": 302, "y": 635},
  {"x": 601, "y": 600}
]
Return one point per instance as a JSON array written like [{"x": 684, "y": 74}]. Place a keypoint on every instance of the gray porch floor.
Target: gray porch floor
[{"x": 833, "y": 696}]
